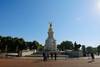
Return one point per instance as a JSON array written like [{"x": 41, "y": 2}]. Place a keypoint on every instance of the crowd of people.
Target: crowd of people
[
  {"x": 53, "y": 56},
  {"x": 46, "y": 55}
]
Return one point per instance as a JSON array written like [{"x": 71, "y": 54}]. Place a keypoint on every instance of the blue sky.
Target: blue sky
[{"x": 74, "y": 20}]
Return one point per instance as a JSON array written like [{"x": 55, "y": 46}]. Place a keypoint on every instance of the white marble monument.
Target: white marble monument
[{"x": 50, "y": 43}]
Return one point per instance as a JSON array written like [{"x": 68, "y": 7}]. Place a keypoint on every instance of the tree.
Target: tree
[
  {"x": 59, "y": 47},
  {"x": 3, "y": 44},
  {"x": 89, "y": 49},
  {"x": 35, "y": 45},
  {"x": 9, "y": 44},
  {"x": 40, "y": 47},
  {"x": 66, "y": 45},
  {"x": 98, "y": 49},
  {"x": 15, "y": 46},
  {"x": 29, "y": 45},
  {"x": 94, "y": 50},
  {"x": 0, "y": 43},
  {"x": 19, "y": 44}
]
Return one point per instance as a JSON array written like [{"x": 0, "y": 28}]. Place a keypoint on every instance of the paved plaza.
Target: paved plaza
[{"x": 28, "y": 62}]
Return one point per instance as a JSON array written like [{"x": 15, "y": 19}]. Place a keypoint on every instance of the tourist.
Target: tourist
[
  {"x": 92, "y": 57},
  {"x": 44, "y": 56},
  {"x": 51, "y": 55},
  {"x": 55, "y": 55}
]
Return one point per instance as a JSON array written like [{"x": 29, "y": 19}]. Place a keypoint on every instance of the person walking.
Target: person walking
[
  {"x": 51, "y": 55},
  {"x": 44, "y": 56},
  {"x": 92, "y": 57},
  {"x": 55, "y": 55}
]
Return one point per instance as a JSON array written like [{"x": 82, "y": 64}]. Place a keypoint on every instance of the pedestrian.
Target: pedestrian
[
  {"x": 92, "y": 57},
  {"x": 55, "y": 55},
  {"x": 44, "y": 56},
  {"x": 51, "y": 55}
]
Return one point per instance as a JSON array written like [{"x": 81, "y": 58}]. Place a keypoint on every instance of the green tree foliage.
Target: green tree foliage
[
  {"x": 65, "y": 45},
  {"x": 94, "y": 50},
  {"x": 37, "y": 46},
  {"x": 89, "y": 49},
  {"x": 68, "y": 45},
  {"x": 10, "y": 44},
  {"x": 59, "y": 47},
  {"x": 34, "y": 45},
  {"x": 98, "y": 49},
  {"x": 29, "y": 45},
  {"x": 40, "y": 47}
]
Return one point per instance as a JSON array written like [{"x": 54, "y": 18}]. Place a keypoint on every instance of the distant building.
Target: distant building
[{"x": 50, "y": 43}]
